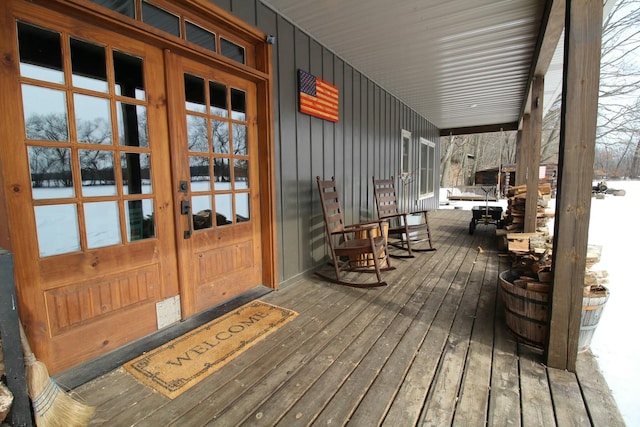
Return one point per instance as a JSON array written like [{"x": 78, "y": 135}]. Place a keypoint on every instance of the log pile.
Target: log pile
[
  {"x": 517, "y": 198},
  {"x": 531, "y": 257}
]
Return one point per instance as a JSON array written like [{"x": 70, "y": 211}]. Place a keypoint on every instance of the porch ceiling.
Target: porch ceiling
[{"x": 459, "y": 63}]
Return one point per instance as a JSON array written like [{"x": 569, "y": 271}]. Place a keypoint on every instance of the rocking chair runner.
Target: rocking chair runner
[
  {"x": 358, "y": 247},
  {"x": 406, "y": 236}
]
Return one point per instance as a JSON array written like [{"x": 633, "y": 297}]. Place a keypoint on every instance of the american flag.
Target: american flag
[{"x": 317, "y": 97}]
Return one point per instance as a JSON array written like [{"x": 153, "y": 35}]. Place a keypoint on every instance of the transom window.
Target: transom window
[
  {"x": 162, "y": 17},
  {"x": 427, "y": 168},
  {"x": 87, "y": 142}
]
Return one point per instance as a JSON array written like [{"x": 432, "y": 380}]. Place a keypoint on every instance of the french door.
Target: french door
[
  {"x": 214, "y": 156},
  {"x": 134, "y": 180}
]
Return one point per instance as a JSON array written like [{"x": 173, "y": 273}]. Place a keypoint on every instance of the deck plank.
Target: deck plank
[
  {"x": 474, "y": 392},
  {"x": 431, "y": 348}
]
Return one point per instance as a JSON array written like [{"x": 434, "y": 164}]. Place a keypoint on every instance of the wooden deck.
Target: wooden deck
[{"x": 429, "y": 349}]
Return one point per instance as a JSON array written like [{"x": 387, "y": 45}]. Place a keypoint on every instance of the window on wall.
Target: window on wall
[
  {"x": 405, "y": 165},
  {"x": 427, "y": 168}
]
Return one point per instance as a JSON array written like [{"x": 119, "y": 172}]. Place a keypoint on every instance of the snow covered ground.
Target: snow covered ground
[{"x": 615, "y": 344}]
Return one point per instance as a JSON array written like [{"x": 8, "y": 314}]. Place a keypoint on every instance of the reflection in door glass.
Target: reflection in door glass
[
  {"x": 132, "y": 125},
  {"x": 239, "y": 139},
  {"x": 51, "y": 176},
  {"x": 222, "y": 174},
  {"x": 218, "y": 99},
  {"x": 200, "y": 173},
  {"x": 197, "y": 138},
  {"x": 89, "y": 66},
  {"x": 201, "y": 208},
  {"x": 40, "y": 53},
  {"x": 220, "y": 132},
  {"x": 93, "y": 119},
  {"x": 45, "y": 113},
  {"x": 194, "y": 93},
  {"x": 241, "y": 174},
  {"x": 242, "y": 207},
  {"x": 224, "y": 209},
  {"x": 238, "y": 105},
  {"x": 129, "y": 75},
  {"x": 57, "y": 229},
  {"x": 136, "y": 173},
  {"x": 96, "y": 169},
  {"x": 140, "y": 219},
  {"x": 103, "y": 224}
]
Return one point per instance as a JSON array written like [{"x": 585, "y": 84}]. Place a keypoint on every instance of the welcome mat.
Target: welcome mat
[{"x": 182, "y": 363}]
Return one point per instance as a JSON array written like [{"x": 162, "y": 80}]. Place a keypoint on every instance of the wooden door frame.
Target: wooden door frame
[
  {"x": 11, "y": 191},
  {"x": 261, "y": 75}
]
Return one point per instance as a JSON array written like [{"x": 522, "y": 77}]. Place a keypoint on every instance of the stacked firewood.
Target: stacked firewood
[
  {"x": 531, "y": 257},
  {"x": 517, "y": 198}
]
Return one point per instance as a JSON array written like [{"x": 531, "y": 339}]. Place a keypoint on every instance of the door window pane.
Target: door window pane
[
  {"x": 238, "y": 104},
  {"x": 132, "y": 125},
  {"x": 200, "y": 174},
  {"x": 243, "y": 213},
  {"x": 194, "y": 93},
  {"x": 57, "y": 229},
  {"x": 220, "y": 132},
  {"x": 224, "y": 209},
  {"x": 51, "y": 176},
  {"x": 89, "y": 66},
  {"x": 197, "y": 137},
  {"x": 160, "y": 18},
  {"x": 140, "y": 219},
  {"x": 222, "y": 174},
  {"x": 98, "y": 177},
  {"x": 45, "y": 113},
  {"x": 136, "y": 173},
  {"x": 129, "y": 75},
  {"x": 200, "y": 36},
  {"x": 93, "y": 119},
  {"x": 239, "y": 139},
  {"x": 218, "y": 99},
  {"x": 40, "y": 53},
  {"x": 103, "y": 224},
  {"x": 241, "y": 174},
  {"x": 201, "y": 208}
]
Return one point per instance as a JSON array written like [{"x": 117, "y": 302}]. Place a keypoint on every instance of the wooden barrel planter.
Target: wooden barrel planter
[
  {"x": 526, "y": 312},
  {"x": 592, "y": 307}
]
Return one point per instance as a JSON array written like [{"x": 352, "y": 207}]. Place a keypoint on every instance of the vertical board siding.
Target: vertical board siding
[{"x": 365, "y": 142}]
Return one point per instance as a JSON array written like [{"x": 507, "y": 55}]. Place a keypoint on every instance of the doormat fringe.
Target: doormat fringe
[{"x": 178, "y": 365}]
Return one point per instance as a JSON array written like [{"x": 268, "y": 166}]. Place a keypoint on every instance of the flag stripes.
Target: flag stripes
[{"x": 317, "y": 97}]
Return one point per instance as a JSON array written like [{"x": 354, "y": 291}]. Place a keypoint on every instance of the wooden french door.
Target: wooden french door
[
  {"x": 214, "y": 158},
  {"x": 130, "y": 176}
]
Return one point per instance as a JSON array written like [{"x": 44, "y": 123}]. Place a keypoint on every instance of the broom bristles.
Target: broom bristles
[{"x": 52, "y": 406}]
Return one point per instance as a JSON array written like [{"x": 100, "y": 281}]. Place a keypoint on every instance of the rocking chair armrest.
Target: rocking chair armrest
[
  {"x": 393, "y": 215},
  {"x": 362, "y": 226},
  {"x": 423, "y": 211}
]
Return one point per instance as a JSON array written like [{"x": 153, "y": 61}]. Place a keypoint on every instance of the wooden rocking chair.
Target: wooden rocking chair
[
  {"x": 358, "y": 247},
  {"x": 405, "y": 236}
]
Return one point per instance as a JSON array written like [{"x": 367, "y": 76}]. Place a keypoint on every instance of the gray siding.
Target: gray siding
[{"x": 364, "y": 143}]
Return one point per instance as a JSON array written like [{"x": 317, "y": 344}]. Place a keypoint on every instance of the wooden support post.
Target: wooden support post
[
  {"x": 525, "y": 142},
  {"x": 583, "y": 29},
  {"x": 519, "y": 179},
  {"x": 533, "y": 158}
]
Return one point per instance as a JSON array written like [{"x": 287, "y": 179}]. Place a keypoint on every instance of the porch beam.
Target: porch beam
[
  {"x": 471, "y": 130},
  {"x": 533, "y": 157},
  {"x": 583, "y": 29}
]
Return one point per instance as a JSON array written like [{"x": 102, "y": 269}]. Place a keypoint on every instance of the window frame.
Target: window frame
[
  {"x": 430, "y": 166},
  {"x": 405, "y": 166}
]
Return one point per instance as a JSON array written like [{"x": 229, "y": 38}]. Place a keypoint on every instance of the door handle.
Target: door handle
[{"x": 185, "y": 209}]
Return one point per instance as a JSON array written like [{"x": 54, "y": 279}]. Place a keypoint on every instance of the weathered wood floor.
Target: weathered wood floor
[{"x": 429, "y": 349}]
